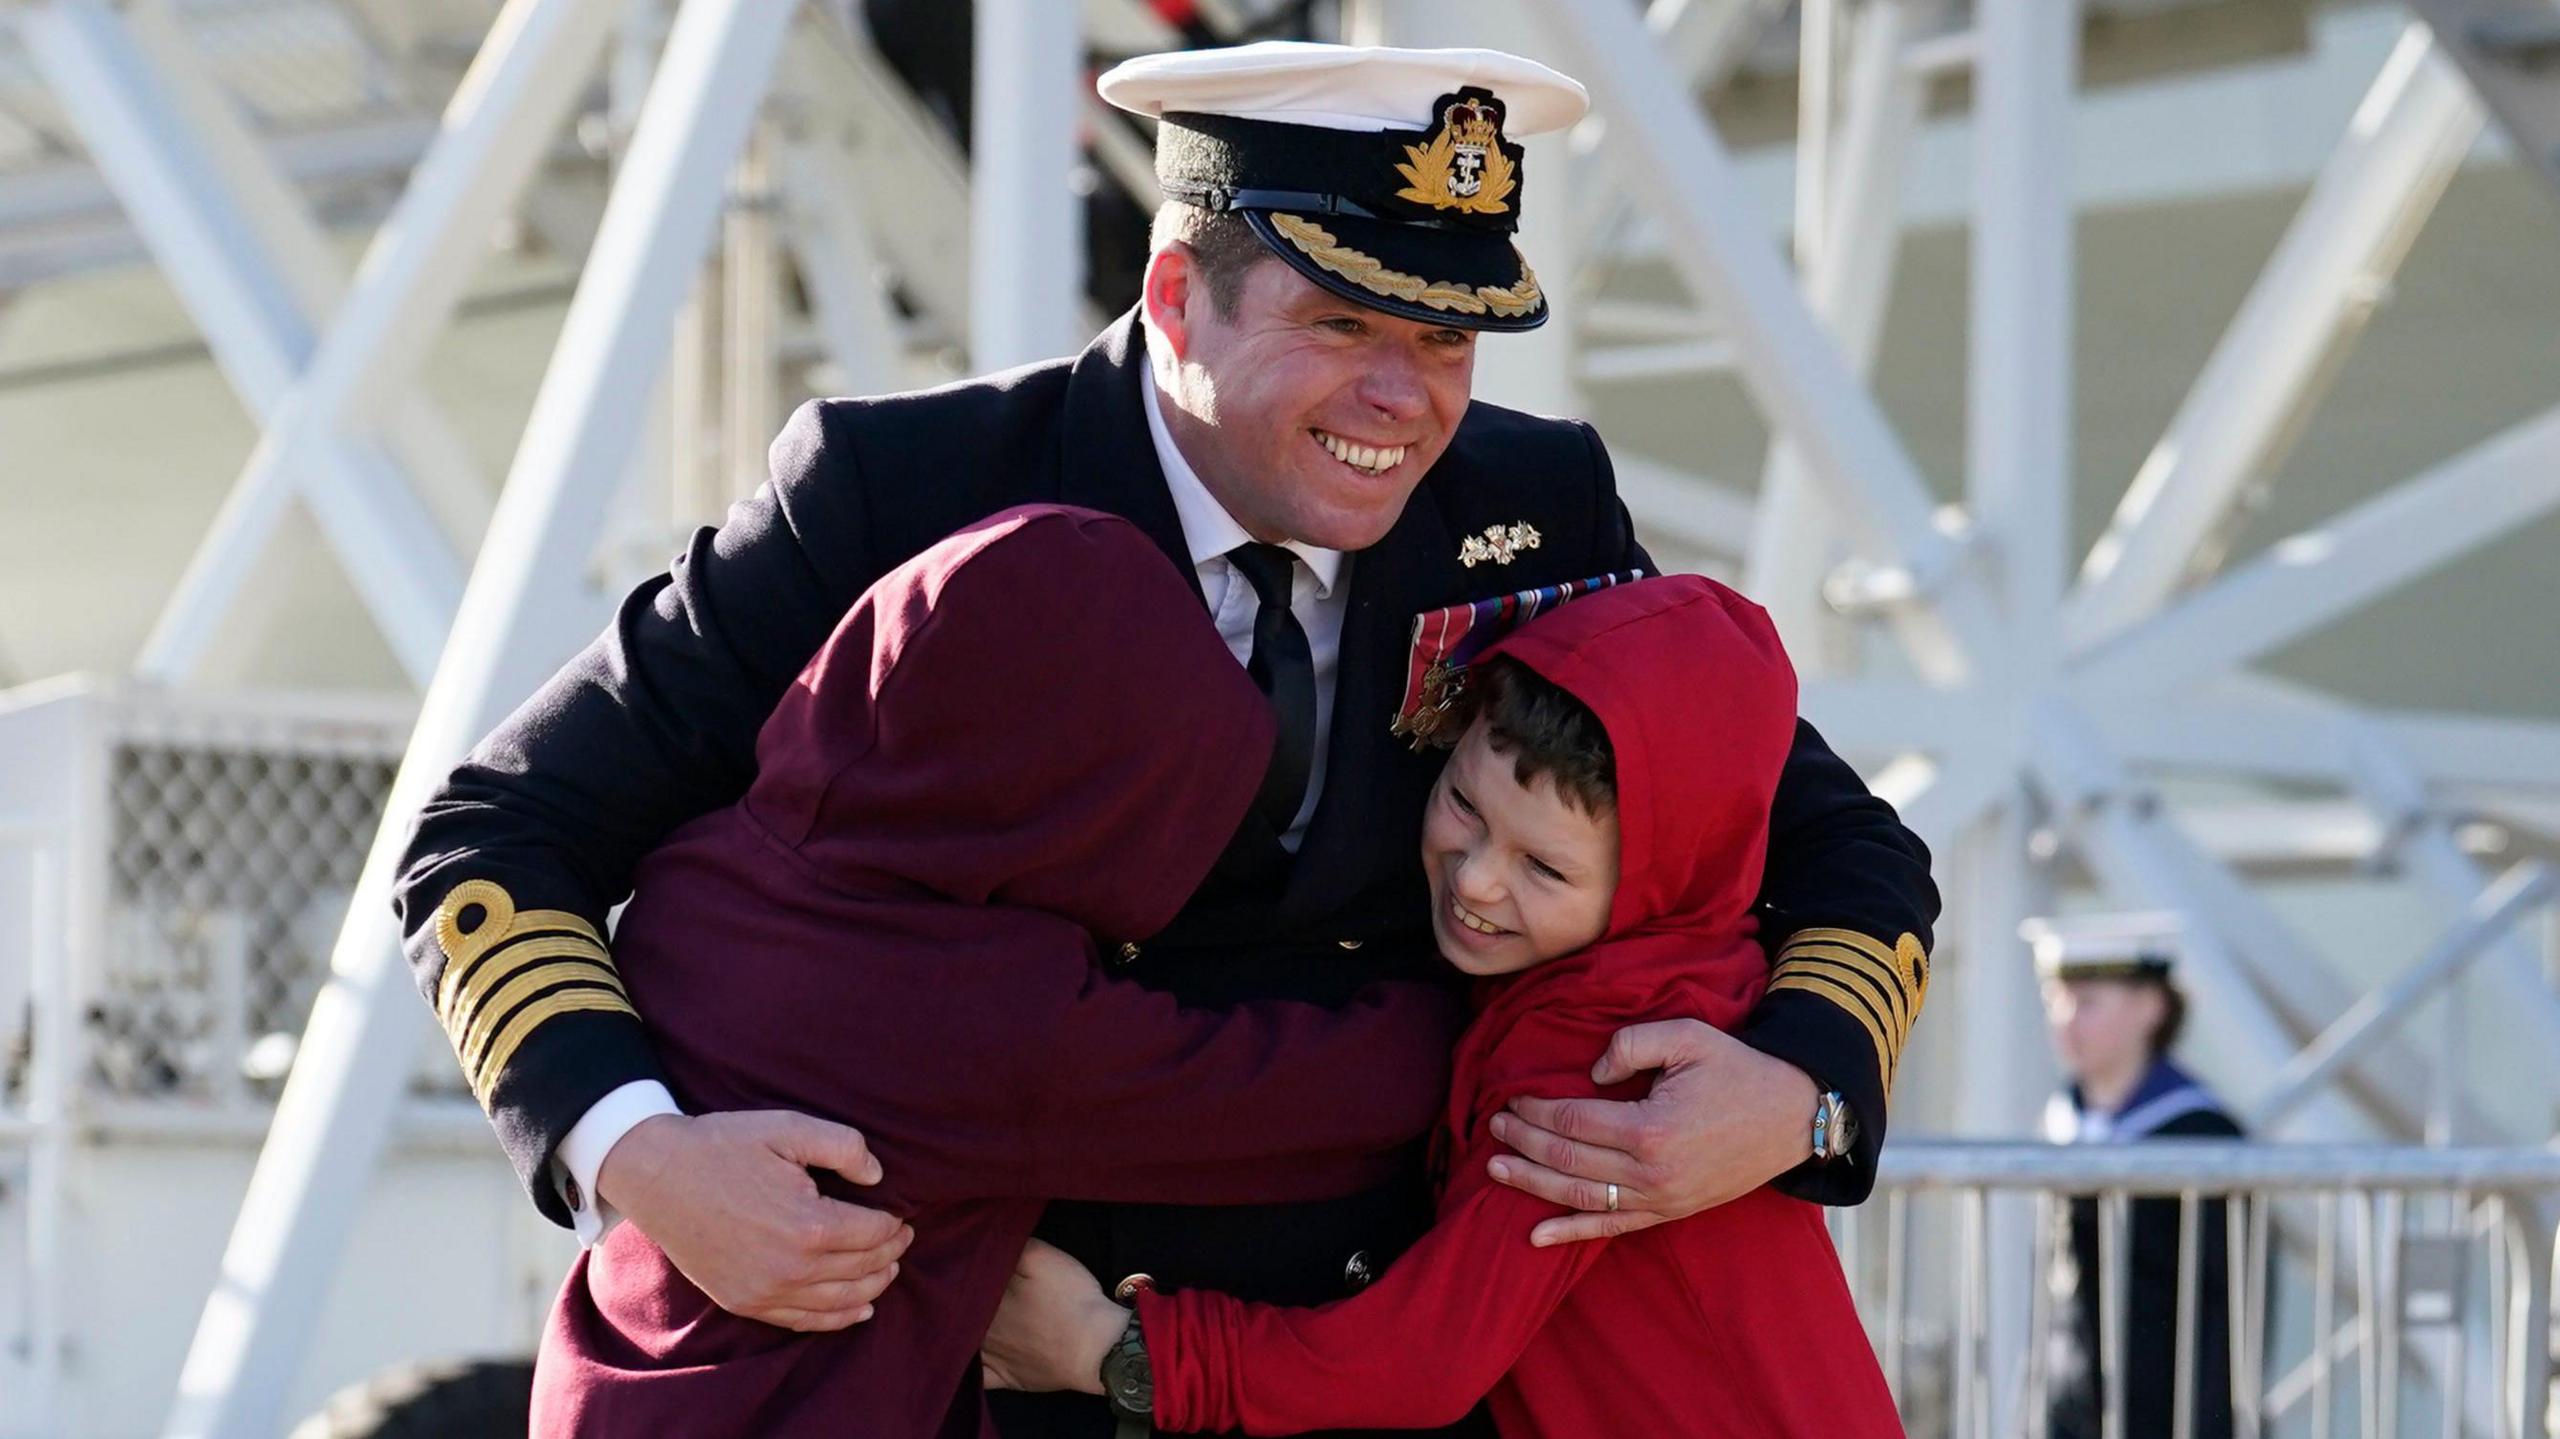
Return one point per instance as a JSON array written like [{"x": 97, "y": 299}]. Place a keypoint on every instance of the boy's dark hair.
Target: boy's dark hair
[
  {"x": 1223, "y": 248},
  {"x": 1545, "y": 731}
]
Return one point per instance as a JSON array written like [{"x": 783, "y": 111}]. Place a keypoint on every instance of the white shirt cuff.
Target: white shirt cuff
[{"x": 581, "y": 1155}]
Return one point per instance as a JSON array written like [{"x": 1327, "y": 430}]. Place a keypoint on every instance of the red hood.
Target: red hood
[
  {"x": 1700, "y": 703},
  {"x": 1052, "y": 724}
]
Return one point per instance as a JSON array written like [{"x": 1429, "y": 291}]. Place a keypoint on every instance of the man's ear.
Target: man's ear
[{"x": 1170, "y": 293}]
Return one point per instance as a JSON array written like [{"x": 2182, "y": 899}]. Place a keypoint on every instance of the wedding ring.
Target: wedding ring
[{"x": 1613, "y": 1199}]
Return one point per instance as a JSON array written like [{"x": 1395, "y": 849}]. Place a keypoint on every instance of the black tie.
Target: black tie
[{"x": 1286, "y": 670}]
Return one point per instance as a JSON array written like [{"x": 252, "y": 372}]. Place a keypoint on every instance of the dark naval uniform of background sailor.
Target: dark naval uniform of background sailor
[
  {"x": 2116, "y": 1011},
  {"x": 1298, "y": 437}
]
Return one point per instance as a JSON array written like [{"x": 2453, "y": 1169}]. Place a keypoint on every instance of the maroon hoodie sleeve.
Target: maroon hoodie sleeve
[
  {"x": 1026, "y": 1070},
  {"x": 1420, "y": 1347},
  {"x": 1139, "y": 1099}
]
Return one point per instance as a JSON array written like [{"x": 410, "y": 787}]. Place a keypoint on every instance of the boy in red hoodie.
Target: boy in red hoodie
[{"x": 1593, "y": 849}]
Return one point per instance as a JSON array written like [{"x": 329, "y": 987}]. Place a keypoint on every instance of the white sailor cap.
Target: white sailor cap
[
  {"x": 1392, "y": 177},
  {"x": 2105, "y": 946}
]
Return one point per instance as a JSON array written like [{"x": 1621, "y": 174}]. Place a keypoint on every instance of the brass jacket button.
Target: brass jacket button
[
  {"x": 1128, "y": 1290},
  {"x": 1357, "y": 1271},
  {"x": 1348, "y": 943},
  {"x": 1129, "y": 952}
]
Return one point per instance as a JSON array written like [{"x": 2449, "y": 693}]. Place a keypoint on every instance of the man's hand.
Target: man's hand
[
  {"x": 1722, "y": 1120},
  {"x": 1053, "y": 1328},
  {"x": 730, "y": 1200}
]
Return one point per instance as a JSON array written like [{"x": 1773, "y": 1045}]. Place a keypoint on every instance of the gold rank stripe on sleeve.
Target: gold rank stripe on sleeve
[
  {"x": 1881, "y": 988},
  {"x": 507, "y": 972}
]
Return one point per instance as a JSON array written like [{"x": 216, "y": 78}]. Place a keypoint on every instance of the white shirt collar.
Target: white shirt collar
[{"x": 1206, "y": 526}]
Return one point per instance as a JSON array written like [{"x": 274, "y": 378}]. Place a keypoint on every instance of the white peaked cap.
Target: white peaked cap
[{"x": 1343, "y": 87}]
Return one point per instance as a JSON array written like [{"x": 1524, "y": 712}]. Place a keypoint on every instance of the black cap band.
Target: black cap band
[
  {"x": 1416, "y": 223},
  {"x": 1458, "y": 175}
]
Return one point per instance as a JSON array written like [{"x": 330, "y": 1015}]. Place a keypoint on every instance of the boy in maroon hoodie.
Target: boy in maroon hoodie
[
  {"x": 1019, "y": 750},
  {"x": 1593, "y": 849}
]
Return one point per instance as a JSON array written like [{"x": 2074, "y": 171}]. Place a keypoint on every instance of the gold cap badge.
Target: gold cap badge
[{"x": 1465, "y": 165}]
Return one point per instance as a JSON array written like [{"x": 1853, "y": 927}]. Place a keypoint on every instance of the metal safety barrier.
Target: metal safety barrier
[{"x": 2373, "y": 1290}]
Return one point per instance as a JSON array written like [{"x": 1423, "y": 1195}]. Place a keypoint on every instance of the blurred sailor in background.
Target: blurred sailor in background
[{"x": 2112, "y": 999}]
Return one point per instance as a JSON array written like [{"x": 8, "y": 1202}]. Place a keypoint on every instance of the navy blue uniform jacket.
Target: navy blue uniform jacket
[{"x": 655, "y": 723}]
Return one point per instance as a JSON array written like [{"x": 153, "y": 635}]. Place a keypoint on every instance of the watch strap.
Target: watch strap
[{"x": 1128, "y": 1379}]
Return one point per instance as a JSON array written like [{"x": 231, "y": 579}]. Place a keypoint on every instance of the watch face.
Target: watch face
[
  {"x": 1128, "y": 1378},
  {"x": 1838, "y": 1132}
]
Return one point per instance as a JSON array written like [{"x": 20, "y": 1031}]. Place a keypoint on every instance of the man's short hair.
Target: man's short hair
[
  {"x": 1544, "y": 730},
  {"x": 1223, "y": 248}
]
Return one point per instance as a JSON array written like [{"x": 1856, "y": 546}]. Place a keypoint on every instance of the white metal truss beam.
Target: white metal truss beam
[
  {"x": 1690, "y": 509},
  {"x": 363, "y": 149},
  {"x": 824, "y": 227},
  {"x": 2018, "y": 422},
  {"x": 1707, "y": 40},
  {"x": 2134, "y": 847},
  {"x": 257, "y": 275},
  {"x": 2401, "y": 817},
  {"x": 1704, "y": 42},
  {"x": 2286, "y": 834},
  {"x": 511, "y": 628},
  {"x": 874, "y": 136},
  {"x": 200, "y": 233},
  {"x": 1674, "y": 159},
  {"x": 323, "y": 444},
  {"x": 1026, "y": 232},
  {"x": 1848, "y": 277},
  {"x": 2286, "y": 738},
  {"x": 1941, "y": 798},
  {"x": 2008, "y": 1069},
  {"x": 2312, "y": 579},
  {"x": 355, "y": 1055},
  {"x": 1873, "y": 717},
  {"x": 2170, "y": 870},
  {"x": 2505, "y": 47},
  {"x": 2429, "y": 852},
  {"x": 299, "y": 253},
  {"x": 2327, "y": 275},
  {"x": 2018, "y": 429}
]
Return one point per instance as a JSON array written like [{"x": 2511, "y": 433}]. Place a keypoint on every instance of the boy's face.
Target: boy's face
[{"x": 1519, "y": 875}]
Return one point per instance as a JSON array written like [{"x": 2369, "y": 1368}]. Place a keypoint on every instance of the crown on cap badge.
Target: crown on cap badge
[{"x": 1462, "y": 166}]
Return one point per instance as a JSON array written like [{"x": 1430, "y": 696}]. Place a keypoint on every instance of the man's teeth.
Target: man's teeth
[
  {"x": 1470, "y": 919},
  {"x": 1376, "y": 459}
]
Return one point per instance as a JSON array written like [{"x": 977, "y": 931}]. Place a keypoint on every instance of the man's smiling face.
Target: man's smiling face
[{"x": 1309, "y": 417}]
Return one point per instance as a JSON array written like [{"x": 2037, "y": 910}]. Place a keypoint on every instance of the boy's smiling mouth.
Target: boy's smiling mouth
[{"x": 1473, "y": 920}]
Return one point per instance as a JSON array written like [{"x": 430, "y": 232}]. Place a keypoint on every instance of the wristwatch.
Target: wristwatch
[
  {"x": 1128, "y": 1380},
  {"x": 1835, "y": 1129}
]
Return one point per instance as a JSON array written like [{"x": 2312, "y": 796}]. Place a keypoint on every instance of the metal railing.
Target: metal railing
[{"x": 2424, "y": 1275}]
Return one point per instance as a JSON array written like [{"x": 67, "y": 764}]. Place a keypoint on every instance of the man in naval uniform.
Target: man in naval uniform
[
  {"x": 1287, "y": 414},
  {"x": 2112, "y": 999}
]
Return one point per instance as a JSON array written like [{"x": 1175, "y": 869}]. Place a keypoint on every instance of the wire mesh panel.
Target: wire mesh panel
[{"x": 230, "y": 867}]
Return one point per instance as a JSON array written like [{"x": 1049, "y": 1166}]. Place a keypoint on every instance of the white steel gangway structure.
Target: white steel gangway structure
[{"x": 2071, "y": 727}]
